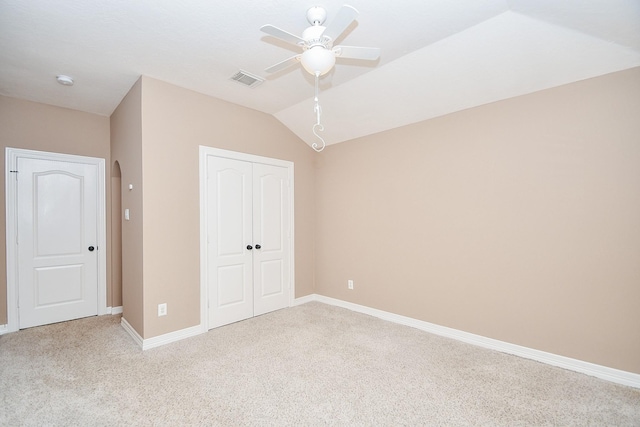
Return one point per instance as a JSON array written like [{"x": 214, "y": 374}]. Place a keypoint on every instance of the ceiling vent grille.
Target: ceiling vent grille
[{"x": 247, "y": 79}]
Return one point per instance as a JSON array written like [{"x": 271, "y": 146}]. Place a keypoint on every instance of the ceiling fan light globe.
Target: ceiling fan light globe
[{"x": 318, "y": 60}]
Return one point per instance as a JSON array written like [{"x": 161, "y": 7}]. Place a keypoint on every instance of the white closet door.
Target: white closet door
[
  {"x": 271, "y": 232},
  {"x": 229, "y": 234},
  {"x": 57, "y": 241},
  {"x": 248, "y": 226}
]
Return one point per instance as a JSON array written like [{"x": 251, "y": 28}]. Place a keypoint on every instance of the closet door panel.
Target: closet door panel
[
  {"x": 271, "y": 229},
  {"x": 229, "y": 234}
]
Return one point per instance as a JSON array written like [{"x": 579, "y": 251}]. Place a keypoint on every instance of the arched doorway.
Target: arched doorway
[{"x": 116, "y": 238}]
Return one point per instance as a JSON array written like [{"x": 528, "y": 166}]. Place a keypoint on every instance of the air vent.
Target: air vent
[{"x": 247, "y": 79}]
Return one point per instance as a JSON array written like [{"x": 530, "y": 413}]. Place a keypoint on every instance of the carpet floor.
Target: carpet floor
[{"x": 310, "y": 365}]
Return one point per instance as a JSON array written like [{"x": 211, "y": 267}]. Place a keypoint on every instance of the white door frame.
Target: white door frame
[
  {"x": 11, "y": 161},
  {"x": 204, "y": 270}
]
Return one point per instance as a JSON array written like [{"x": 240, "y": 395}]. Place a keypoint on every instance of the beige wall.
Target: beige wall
[
  {"x": 34, "y": 126},
  {"x": 518, "y": 220},
  {"x": 126, "y": 149},
  {"x": 176, "y": 122}
]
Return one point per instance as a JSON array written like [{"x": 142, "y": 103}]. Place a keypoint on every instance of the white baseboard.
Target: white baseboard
[
  {"x": 134, "y": 334},
  {"x": 4, "y": 329},
  {"x": 305, "y": 299},
  {"x": 172, "y": 337},
  {"x": 599, "y": 371},
  {"x": 160, "y": 340},
  {"x": 114, "y": 310}
]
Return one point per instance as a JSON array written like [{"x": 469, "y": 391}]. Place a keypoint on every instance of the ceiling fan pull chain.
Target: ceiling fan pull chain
[{"x": 318, "y": 126}]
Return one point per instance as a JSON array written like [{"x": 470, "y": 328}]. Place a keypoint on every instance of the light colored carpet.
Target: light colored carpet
[{"x": 305, "y": 366}]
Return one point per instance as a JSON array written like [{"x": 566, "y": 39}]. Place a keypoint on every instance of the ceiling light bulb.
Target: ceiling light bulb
[
  {"x": 318, "y": 60},
  {"x": 64, "y": 80}
]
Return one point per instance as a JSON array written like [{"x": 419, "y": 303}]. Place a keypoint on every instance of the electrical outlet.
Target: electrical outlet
[
  {"x": 162, "y": 309},
  {"x": 350, "y": 284}
]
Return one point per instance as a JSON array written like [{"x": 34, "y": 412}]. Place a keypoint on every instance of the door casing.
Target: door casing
[
  {"x": 206, "y": 152},
  {"x": 11, "y": 160}
]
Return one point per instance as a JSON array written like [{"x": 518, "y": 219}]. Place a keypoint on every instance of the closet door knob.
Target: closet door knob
[
  {"x": 249, "y": 247},
  {"x": 258, "y": 246},
  {"x": 91, "y": 248}
]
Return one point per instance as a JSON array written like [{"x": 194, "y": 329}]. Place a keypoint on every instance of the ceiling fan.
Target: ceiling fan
[{"x": 318, "y": 53}]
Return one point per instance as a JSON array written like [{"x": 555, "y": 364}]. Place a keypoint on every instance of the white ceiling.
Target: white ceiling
[{"x": 438, "y": 56}]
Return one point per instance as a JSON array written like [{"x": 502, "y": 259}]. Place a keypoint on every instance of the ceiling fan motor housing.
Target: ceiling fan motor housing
[{"x": 313, "y": 36}]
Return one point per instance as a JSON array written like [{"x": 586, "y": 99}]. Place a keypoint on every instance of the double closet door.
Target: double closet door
[{"x": 248, "y": 217}]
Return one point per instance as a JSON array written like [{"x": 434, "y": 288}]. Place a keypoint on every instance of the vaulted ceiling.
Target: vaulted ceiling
[{"x": 438, "y": 56}]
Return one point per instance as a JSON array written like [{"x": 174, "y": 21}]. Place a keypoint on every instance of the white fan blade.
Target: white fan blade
[
  {"x": 284, "y": 64},
  {"x": 342, "y": 20},
  {"x": 282, "y": 34},
  {"x": 356, "y": 52}
]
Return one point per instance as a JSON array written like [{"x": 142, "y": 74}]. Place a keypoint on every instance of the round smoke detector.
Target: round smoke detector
[{"x": 64, "y": 80}]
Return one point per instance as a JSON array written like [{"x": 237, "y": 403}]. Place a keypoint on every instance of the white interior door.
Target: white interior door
[
  {"x": 230, "y": 232},
  {"x": 248, "y": 229},
  {"x": 57, "y": 236},
  {"x": 271, "y": 233}
]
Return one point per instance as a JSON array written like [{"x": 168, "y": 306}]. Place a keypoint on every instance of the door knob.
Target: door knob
[
  {"x": 249, "y": 247},
  {"x": 258, "y": 246},
  {"x": 91, "y": 248}
]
